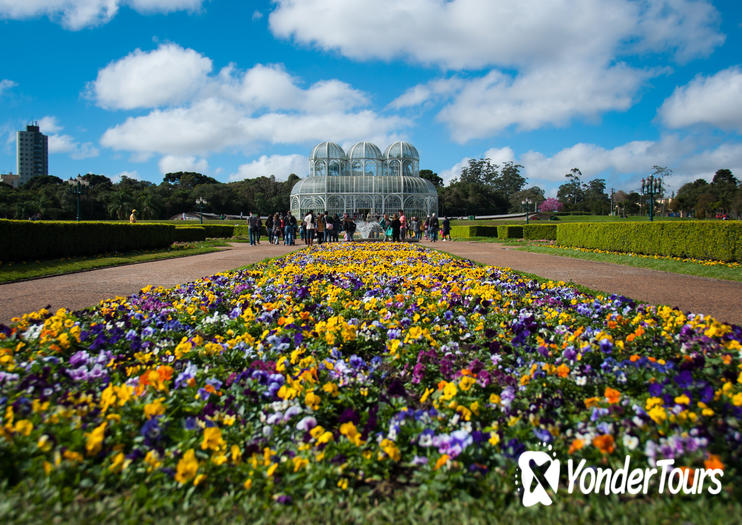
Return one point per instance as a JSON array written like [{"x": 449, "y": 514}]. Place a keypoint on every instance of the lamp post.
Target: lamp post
[
  {"x": 78, "y": 187},
  {"x": 651, "y": 188},
  {"x": 526, "y": 205},
  {"x": 201, "y": 201}
]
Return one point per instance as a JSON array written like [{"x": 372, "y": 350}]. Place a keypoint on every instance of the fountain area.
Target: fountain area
[{"x": 371, "y": 231}]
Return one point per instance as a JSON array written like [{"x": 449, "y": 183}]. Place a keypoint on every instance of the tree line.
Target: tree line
[{"x": 482, "y": 187}]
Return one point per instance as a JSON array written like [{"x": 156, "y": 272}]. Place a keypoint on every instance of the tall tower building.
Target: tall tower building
[{"x": 32, "y": 153}]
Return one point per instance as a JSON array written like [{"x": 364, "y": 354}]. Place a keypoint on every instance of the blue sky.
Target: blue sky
[{"x": 243, "y": 89}]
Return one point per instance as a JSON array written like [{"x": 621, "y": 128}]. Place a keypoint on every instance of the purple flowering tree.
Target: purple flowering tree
[{"x": 549, "y": 205}]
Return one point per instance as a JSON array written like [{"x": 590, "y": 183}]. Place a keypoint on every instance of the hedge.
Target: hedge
[
  {"x": 31, "y": 240},
  {"x": 218, "y": 230},
  {"x": 190, "y": 233},
  {"x": 465, "y": 232},
  {"x": 695, "y": 239},
  {"x": 510, "y": 231},
  {"x": 540, "y": 231}
]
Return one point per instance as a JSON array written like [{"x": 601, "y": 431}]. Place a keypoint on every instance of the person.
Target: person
[
  {"x": 433, "y": 227},
  {"x": 386, "y": 225},
  {"x": 446, "y": 229},
  {"x": 329, "y": 227},
  {"x": 321, "y": 228},
  {"x": 252, "y": 228},
  {"x": 396, "y": 226},
  {"x": 288, "y": 229},
  {"x": 349, "y": 227},
  {"x": 277, "y": 228},
  {"x": 309, "y": 226},
  {"x": 132, "y": 217},
  {"x": 269, "y": 228},
  {"x": 336, "y": 228},
  {"x": 426, "y": 228},
  {"x": 415, "y": 228},
  {"x": 402, "y": 225}
]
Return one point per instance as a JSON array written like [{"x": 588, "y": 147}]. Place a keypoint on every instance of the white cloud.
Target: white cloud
[
  {"x": 622, "y": 166},
  {"x": 169, "y": 74},
  {"x": 6, "y": 84},
  {"x": 713, "y": 100},
  {"x": 173, "y": 164},
  {"x": 464, "y": 34},
  {"x": 257, "y": 15},
  {"x": 281, "y": 166},
  {"x": 128, "y": 174},
  {"x": 78, "y": 14},
  {"x": 549, "y": 95},
  {"x": 62, "y": 143},
  {"x": 429, "y": 92}
]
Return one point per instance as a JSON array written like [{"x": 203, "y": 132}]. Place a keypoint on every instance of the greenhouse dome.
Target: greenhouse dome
[{"x": 364, "y": 182}]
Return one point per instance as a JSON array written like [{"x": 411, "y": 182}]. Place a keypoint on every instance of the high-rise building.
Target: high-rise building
[{"x": 32, "y": 153}]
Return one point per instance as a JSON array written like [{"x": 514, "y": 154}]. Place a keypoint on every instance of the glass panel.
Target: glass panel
[
  {"x": 357, "y": 168},
  {"x": 371, "y": 168}
]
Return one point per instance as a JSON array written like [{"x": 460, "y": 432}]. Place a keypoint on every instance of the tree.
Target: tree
[
  {"x": 723, "y": 187},
  {"x": 510, "y": 181},
  {"x": 534, "y": 194},
  {"x": 572, "y": 193},
  {"x": 550, "y": 205},
  {"x": 597, "y": 200},
  {"x": 188, "y": 179},
  {"x": 479, "y": 171},
  {"x": 432, "y": 177}
]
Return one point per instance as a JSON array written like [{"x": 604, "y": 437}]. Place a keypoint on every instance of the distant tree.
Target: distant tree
[
  {"x": 724, "y": 186},
  {"x": 572, "y": 193},
  {"x": 550, "y": 205},
  {"x": 432, "y": 177},
  {"x": 597, "y": 200},
  {"x": 509, "y": 181},
  {"x": 188, "y": 179},
  {"x": 534, "y": 194}
]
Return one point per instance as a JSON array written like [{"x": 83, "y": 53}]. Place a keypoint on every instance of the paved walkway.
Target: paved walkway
[
  {"x": 722, "y": 299},
  {"x": 80, "y": 290}
]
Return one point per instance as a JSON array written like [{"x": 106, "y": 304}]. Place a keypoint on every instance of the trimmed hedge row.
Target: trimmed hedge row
[
  {"x": 510, "y": 231},
  {"x": 218, "y": 230},
  {"x": 28, "y": 240},
  {"x": 540, "y": 231},
  {"x": 473, "y": 231},
  {"x": 720, "y": 241},
  {"x": 190, "y": 233}
]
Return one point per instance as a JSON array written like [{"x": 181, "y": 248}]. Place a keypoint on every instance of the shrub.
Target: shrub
[
  {"x": 219, "y": 230},
  {"x": 696, "y": 239},
  {"x": 465, "y": 232},
  {"x": 510, "y": 231},
  {"x": 27, "y": 240},
  {"x": 540, "y": 231},
  {"x": 190, "y": 233}
]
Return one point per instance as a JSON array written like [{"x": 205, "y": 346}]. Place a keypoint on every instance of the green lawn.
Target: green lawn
[{"x": 19, "y": 271}]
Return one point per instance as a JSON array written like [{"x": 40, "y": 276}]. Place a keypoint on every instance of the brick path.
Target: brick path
[{"x": 721, "y": 299}]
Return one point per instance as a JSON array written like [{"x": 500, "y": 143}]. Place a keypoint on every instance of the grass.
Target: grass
[
  {"x": 12, "y": 272},
  {"x": 41, "y": 503},
  {"x": 664, "y": 265}
]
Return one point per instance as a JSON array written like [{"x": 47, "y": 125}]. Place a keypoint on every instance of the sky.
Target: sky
[{"x": 241, "y": 89}]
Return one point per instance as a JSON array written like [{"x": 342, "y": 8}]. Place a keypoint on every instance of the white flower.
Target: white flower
[{"x": 630, "y": 441}]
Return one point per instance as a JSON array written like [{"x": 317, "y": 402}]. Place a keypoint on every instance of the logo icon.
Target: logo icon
[{"x": 538, "y": 472}]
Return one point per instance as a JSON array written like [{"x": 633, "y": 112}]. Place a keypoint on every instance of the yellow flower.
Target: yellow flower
[
  {"x": 236, "y": 454},
  {"x": 187, "y": 467},
  {"x": 312, "y": 400},
  {"x": 24, "y": 426},
  {"x": 391, "y": 450},
  {"x": 95, "y": 439},
  {"x": 212, "y": 439},
  {"x": 153, "y": 460},
  {"x": 343, "y": 483},
  {"x": 350, "y": 431},
  {"x": 155, "y": 408},
  {"x": 657, "y": 414},
  {"x": 737, "y": 399},
  {"x": 272, "y": 469},
  {"x": 466, "y": 383},
  {"x": 119, "y": 463},
  {"x": 449, "y": 391}
]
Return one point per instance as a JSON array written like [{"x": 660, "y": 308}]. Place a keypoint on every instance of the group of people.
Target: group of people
[
  {"x": 326, "y": 227},
  {"x": 398, "y": 228}
]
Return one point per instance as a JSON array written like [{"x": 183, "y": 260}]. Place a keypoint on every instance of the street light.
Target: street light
[
  {"x": 201, "y": 201},
  {"x": 651, "y": 188},
  {"x": 526, "y": 204},
  {"x": 78, "y": 187}
]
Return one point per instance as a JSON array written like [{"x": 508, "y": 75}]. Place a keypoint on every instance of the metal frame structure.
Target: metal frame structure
[{"x": 364, "y": 181}]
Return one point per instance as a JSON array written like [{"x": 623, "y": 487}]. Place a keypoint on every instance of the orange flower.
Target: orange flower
[
  {"x": 591, "y": 402},
  {"x": 713, "y": 462},
  {"x": 613, "y": 396},
  {"x": 441, "y": 461},
  {"x": 604, "y": 443},
  {"x": 576, "y": 445},
  {"x": 562, "y": 370}
]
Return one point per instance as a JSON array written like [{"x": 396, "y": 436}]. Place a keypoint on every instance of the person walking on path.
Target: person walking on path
[
  {"x": 321, "y": 228},
  {"x": 433, "y": 227},
  {"x": 402, "y": 225},
  {"x": 288, "y": 229},
  {"x": 253, "y": 224},
  {"x": 446, "y": 229},
  {"x": 309, "y": 226},
  {"x": 396, "y": 227},
  {"x": 132, "y": 217}
]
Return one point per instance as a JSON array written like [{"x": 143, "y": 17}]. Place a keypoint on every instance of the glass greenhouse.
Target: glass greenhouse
[{"x": 364, "y": 181}]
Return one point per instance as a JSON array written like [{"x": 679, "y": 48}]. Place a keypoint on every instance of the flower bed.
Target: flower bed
[{"x": 351, "y": 367}]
